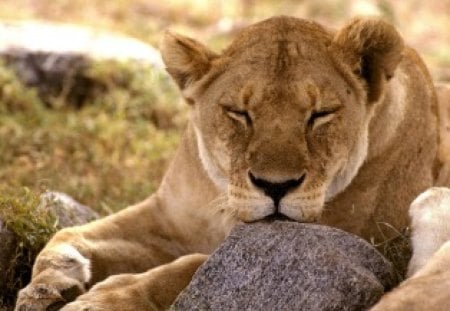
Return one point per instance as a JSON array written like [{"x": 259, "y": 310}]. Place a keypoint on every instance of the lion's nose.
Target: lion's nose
[{"x": 276, "y": 190}]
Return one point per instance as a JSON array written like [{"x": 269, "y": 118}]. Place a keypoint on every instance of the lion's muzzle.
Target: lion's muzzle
[{"x": 276, "y": 190}]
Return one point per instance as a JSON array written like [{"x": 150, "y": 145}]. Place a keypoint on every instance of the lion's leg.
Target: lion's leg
[
  {"x": 131, "y": 241},
  {"x": 430, "y": 224},
  {"x": 155, "y": 289}
]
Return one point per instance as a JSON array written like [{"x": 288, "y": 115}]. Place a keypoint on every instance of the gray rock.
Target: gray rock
[
  {"x": 289, "y": 266},
  {"x": 54, "y": 75},
  {"x": 67, "y": 211}
]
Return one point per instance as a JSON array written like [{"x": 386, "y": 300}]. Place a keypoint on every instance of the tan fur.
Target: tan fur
[
  {"x": 443, "y": 93},
  {"x": 368, "y": 151}
]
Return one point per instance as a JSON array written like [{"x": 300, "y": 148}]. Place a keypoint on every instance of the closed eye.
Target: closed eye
[
  {"x": 318, "y": 118},
  {"x": 239, "y": 115}
]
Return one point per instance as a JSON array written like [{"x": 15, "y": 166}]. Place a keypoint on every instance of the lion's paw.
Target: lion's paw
[
  {"x": 48, "y": 296},
  {"x": 116, "y": 293},
  {"x": 84, "y": 306}
]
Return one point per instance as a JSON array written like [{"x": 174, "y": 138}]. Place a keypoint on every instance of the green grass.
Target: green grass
[{"x": 32, "y": 228}]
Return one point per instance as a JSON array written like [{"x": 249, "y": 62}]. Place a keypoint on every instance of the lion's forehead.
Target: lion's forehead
[
  {"x": 281, "y": 42},
  {"x": 281, "y": 58},
  {"x": 279, "y": 29}
]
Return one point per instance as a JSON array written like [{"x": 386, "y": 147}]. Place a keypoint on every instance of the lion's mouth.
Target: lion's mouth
[{"x": 276, "y": 216}]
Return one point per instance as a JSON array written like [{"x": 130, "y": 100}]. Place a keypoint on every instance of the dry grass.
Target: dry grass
[{"x": 395, "y": 246}]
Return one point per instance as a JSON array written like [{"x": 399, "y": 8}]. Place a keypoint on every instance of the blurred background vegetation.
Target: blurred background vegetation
[
  {"x": 424, "y": 23},
  {"x": 113, "y": 150}
]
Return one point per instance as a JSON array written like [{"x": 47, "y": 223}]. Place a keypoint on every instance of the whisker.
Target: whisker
[
  {"x": 238, "y": 190},
  {"x": 241, "y": 193}
]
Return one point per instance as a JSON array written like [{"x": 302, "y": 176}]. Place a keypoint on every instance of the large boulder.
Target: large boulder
[{"x": 289, "y": 266}]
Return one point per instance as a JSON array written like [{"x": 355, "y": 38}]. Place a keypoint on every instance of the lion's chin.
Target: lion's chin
[
  {"x": 265, "y": 210},
  {"x": 308, "y": 215}
]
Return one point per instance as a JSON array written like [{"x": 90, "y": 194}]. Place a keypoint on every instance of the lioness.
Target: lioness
[{"x": 290, "y": 121}]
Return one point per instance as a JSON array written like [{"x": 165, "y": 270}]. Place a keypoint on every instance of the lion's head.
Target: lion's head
[{"x": 281, "y": 116}]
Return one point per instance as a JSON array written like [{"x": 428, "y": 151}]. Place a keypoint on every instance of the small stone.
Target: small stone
[
  {"x": 289, "y": 266},
  {"x": 67, "y": 210}
]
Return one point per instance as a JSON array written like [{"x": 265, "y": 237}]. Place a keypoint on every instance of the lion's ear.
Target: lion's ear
[
  {"x": 373, "y": 49},
  {"x": 186, "y": 60}
]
